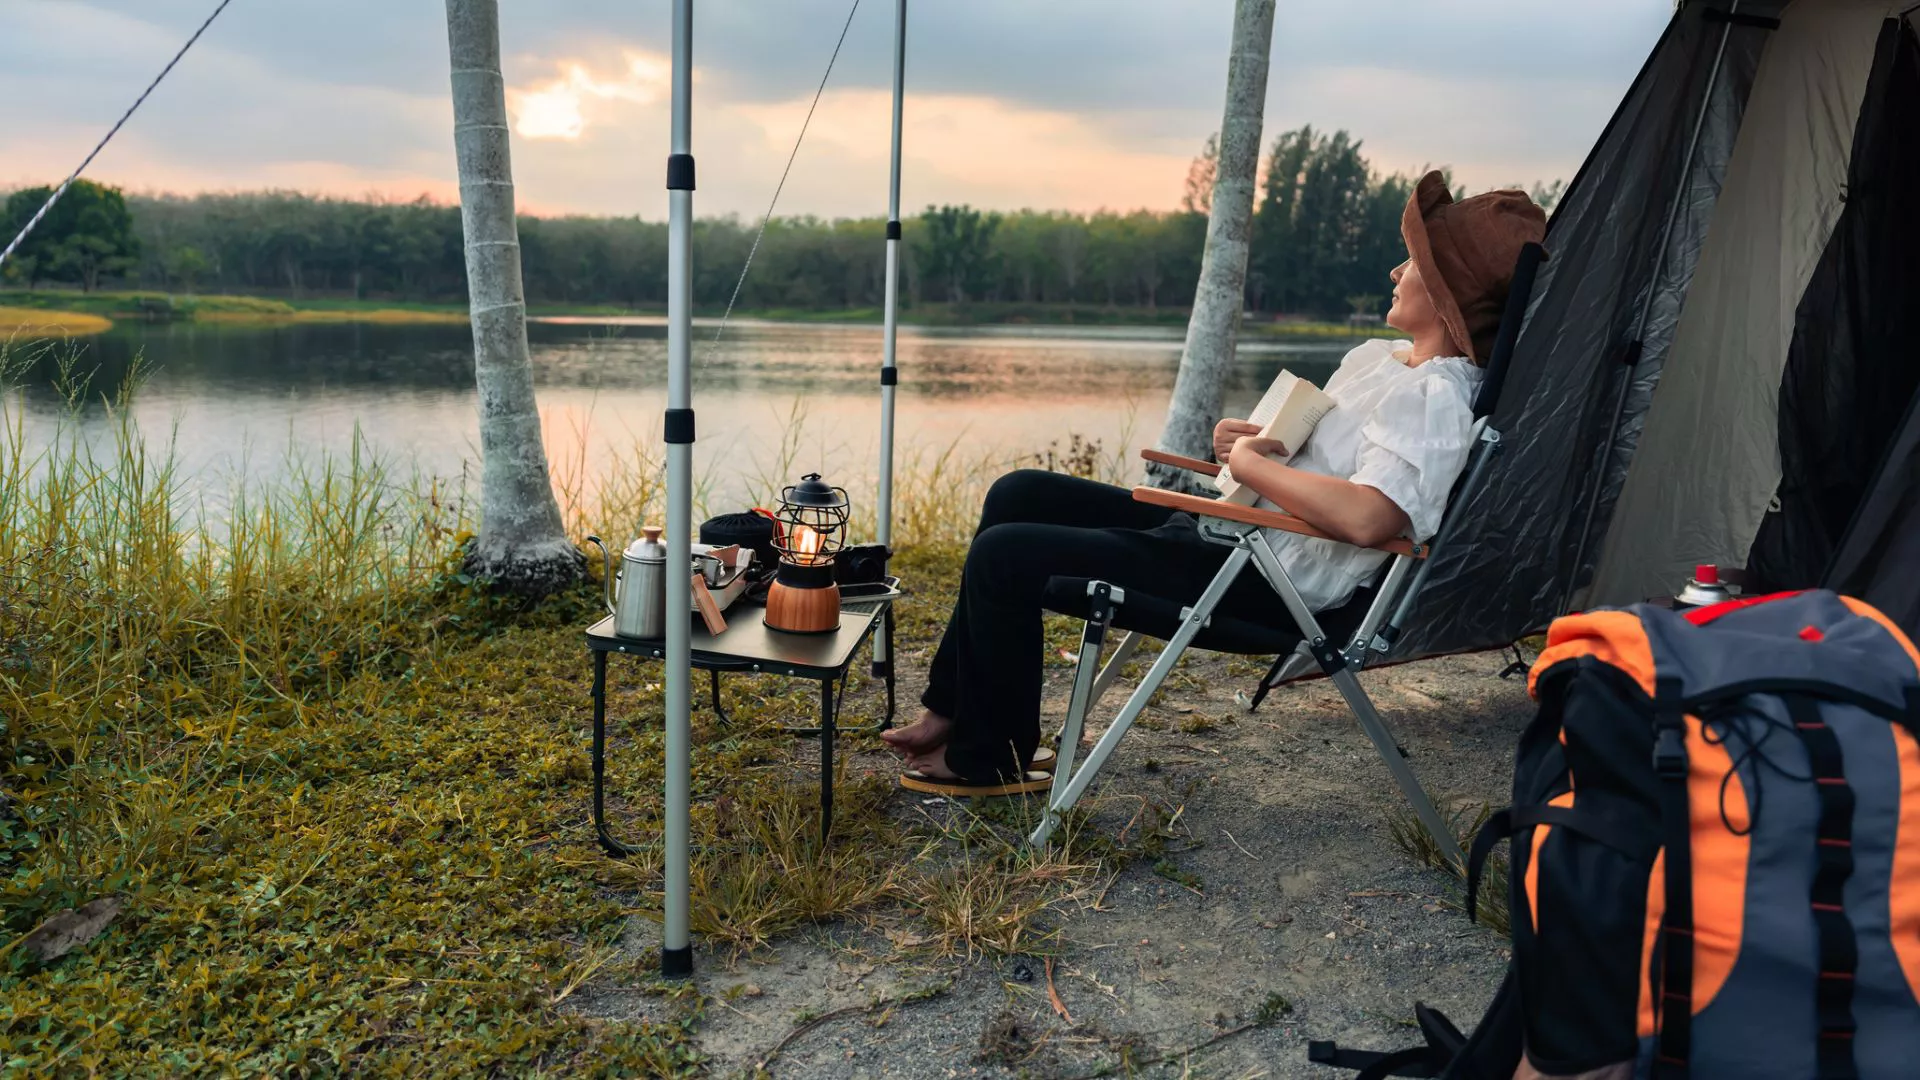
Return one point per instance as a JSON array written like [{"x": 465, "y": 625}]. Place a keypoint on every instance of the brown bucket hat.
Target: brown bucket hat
[{"x": 1465, "y": 252}]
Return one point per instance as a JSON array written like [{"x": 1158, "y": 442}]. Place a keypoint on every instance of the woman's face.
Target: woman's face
[{"x": 1412, "y": 312}]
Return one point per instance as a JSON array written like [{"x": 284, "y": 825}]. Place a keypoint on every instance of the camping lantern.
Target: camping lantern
[{"x": 813, "y": 526}]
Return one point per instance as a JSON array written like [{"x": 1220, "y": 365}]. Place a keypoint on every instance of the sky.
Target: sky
[{"x": 1063, "y": 104}]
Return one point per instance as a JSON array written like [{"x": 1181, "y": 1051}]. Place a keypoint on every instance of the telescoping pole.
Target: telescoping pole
[
  {"x": 676, "y": 951},
  {"x": 890, "y": 374}
]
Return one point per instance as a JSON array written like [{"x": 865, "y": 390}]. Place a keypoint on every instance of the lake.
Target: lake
[{"x": 241, "y": 401}]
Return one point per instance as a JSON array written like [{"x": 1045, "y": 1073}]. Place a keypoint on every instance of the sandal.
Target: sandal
[
  {"x": 1044, "y": 760},
  {"x": 1029, "y": 783}
]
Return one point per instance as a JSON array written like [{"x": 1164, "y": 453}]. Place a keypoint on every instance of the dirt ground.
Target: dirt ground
[{"x": 1279, "y": 889}]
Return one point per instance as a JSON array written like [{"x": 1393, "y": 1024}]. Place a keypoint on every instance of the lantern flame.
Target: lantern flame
[{"x": 806, "y": 545}]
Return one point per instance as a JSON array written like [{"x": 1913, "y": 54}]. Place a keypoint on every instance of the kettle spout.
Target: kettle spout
[{"x": 606, "y": 581}]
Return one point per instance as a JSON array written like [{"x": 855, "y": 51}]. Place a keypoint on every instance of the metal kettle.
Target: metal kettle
[{"x": 639, "y": 603}]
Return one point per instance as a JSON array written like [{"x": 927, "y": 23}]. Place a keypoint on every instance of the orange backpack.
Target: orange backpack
[{"x": 1715, "y": 861}]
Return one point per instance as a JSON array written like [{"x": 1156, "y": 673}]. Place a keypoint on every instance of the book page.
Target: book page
[
  {"x": 1288, "y": 411},
  {"x": 1273, "y": 399}
]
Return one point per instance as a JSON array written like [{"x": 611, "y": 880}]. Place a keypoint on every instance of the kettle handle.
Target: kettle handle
[{"x": 606, "y": 580}]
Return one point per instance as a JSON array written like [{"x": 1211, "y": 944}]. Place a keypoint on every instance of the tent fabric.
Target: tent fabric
[
  {"x": 1854, "y": 365},
  {"x": 1878, "y": 559},
  {"x": 1509, "y": 565},
  {"x": 1707, "y": 465},
  {"x": 1760, "y": 270}
]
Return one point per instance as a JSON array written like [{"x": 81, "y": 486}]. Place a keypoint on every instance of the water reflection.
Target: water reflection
[{"x": 236, "y": 400}]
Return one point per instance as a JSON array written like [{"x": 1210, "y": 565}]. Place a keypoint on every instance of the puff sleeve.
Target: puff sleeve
[{"x": 1414, "y": 445}]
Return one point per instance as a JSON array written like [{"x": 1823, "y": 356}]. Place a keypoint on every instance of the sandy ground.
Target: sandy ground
[{"x": 1279, "y": 878}]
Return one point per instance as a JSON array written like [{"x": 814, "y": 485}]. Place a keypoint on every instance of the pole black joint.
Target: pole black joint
[
  {"x": 889, "y": 376},
  {"x": 679, "y": 426},
  {"x": 893, "y": 230},
  {"x": 679, "y": 172},
  {"x": 677, "y": 963}
]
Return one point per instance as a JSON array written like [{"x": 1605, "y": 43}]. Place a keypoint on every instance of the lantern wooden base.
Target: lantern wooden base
[{"x": 803, "y": 611}]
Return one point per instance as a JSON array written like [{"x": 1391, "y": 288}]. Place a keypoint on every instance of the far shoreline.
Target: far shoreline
[{"x": 69, "y": 313}]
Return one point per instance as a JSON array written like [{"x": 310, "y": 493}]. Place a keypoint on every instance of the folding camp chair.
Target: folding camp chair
[{"x": 1370, "y": 622}]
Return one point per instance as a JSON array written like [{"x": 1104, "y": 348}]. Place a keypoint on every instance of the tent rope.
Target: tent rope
[
  {"x": 115, "y": 130},
  {"x": 777, "y": 188}
]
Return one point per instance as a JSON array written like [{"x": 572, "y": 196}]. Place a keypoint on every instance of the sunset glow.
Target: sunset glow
[{"x": 559, "y": 108}]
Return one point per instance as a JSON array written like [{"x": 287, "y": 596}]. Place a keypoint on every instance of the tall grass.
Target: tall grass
[
  {"x": 340, "y": 786},
  {"x": 143, "y": 651}
]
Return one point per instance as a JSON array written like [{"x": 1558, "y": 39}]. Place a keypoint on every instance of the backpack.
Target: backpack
[{"x": 1715, "y": 853}]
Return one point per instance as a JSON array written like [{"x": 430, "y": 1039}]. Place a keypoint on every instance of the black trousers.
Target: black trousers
[{"x": 986, "y": 675}]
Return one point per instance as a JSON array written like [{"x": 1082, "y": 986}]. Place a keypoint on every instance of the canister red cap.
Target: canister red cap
[{"x": 1707, "y": 574}]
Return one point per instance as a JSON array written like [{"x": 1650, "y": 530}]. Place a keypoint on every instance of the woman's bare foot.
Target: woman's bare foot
[
  {"x": 923, "y": 736},
  {"x": 932, "y": 764}
]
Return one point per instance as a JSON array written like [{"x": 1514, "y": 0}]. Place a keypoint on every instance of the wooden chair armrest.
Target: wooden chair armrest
[
  {"x": 1266, "y": 519},
  {"x": 1204, "y": 468}
]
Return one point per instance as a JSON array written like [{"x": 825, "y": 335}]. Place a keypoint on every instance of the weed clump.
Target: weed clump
[{"x": 1465, "y": 821}]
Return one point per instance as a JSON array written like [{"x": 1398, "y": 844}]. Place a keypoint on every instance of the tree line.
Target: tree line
[{"x": 1326, "y": 230}]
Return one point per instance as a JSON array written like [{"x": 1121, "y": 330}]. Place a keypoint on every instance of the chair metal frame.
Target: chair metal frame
[{"x": 1240, "y": 528}]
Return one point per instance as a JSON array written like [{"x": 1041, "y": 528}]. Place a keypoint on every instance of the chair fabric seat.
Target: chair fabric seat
[{"x": 1158, "y": 617}]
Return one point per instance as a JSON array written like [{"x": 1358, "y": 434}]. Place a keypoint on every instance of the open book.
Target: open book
[{"x": 1288, "y": 412}]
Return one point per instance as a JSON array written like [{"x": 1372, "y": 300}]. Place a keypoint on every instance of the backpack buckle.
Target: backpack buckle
[{"x": 1670, "y": 751}]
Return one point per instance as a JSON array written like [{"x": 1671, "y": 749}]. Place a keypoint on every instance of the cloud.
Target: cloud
[
  {"x": 557, "y": 108},
  {"x": 1071, "y": 103}
]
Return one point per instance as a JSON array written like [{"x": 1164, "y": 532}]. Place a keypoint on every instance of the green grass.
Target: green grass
[
  {"x": 135, "y": 305},
  {"x": 138, "y": 304},
  {"x": 342, "y": 789}
]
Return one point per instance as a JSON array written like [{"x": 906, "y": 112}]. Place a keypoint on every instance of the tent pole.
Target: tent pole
[
  {"x": 1632, "y": 359},
  {"x": 889, "y": 374},
  {"x": 676, "y": 952}
]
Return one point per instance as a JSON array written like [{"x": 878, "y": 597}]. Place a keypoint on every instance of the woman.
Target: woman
[{"x": 1378, "y": 465}]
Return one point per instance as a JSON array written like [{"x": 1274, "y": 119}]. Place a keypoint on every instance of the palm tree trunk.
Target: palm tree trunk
[
  {"x": 522, "y": 546},
  {"x": 1215, "y": 323}
]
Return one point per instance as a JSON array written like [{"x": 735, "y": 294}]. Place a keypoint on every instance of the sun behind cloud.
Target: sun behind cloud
[{"x": 559, "y": 108}]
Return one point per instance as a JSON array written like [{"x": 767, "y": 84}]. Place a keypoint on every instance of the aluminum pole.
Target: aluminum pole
[
  {"x": 889, "y": 374},
  {"x": 676, "y": 952},
  {"x": 1646, "y": 313}
]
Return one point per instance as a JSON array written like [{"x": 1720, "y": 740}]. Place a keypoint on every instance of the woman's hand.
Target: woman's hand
[
  {"x": 1251, "y": 448},
  {"x": 1226, "y": 433}
]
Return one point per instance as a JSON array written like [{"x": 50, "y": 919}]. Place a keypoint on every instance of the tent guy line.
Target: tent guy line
[
  {"x": 108, "y": 137},
  {"x": 777, "y": 188}
]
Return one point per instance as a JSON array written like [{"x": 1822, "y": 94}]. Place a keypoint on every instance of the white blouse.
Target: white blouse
[{"x": 1403, "y": 431}]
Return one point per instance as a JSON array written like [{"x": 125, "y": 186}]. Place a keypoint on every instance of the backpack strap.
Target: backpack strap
[
  {"x": 1839, "y": 954},
  {"x": 1516, "y": 819},
  {"x": 1444, "y": 1043},
  {"x": 1675, "y": 1047},
  {"x": 1414, "y": 1061}
]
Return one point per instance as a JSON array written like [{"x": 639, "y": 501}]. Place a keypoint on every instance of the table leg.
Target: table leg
[
  {"x": 826, "y": 759},
  {"x": 718, "y": 711},
  {"x": 612, "y": 847},
  {"x": 887, "y": 630}
]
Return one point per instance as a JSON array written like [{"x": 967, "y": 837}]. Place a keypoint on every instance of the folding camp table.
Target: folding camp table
[
  {"x": 748, "y": 645},
  {"x": 1371, "y": 621}
]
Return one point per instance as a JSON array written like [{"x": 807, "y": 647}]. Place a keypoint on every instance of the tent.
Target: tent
[{"x": 1720, "y": 361}]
